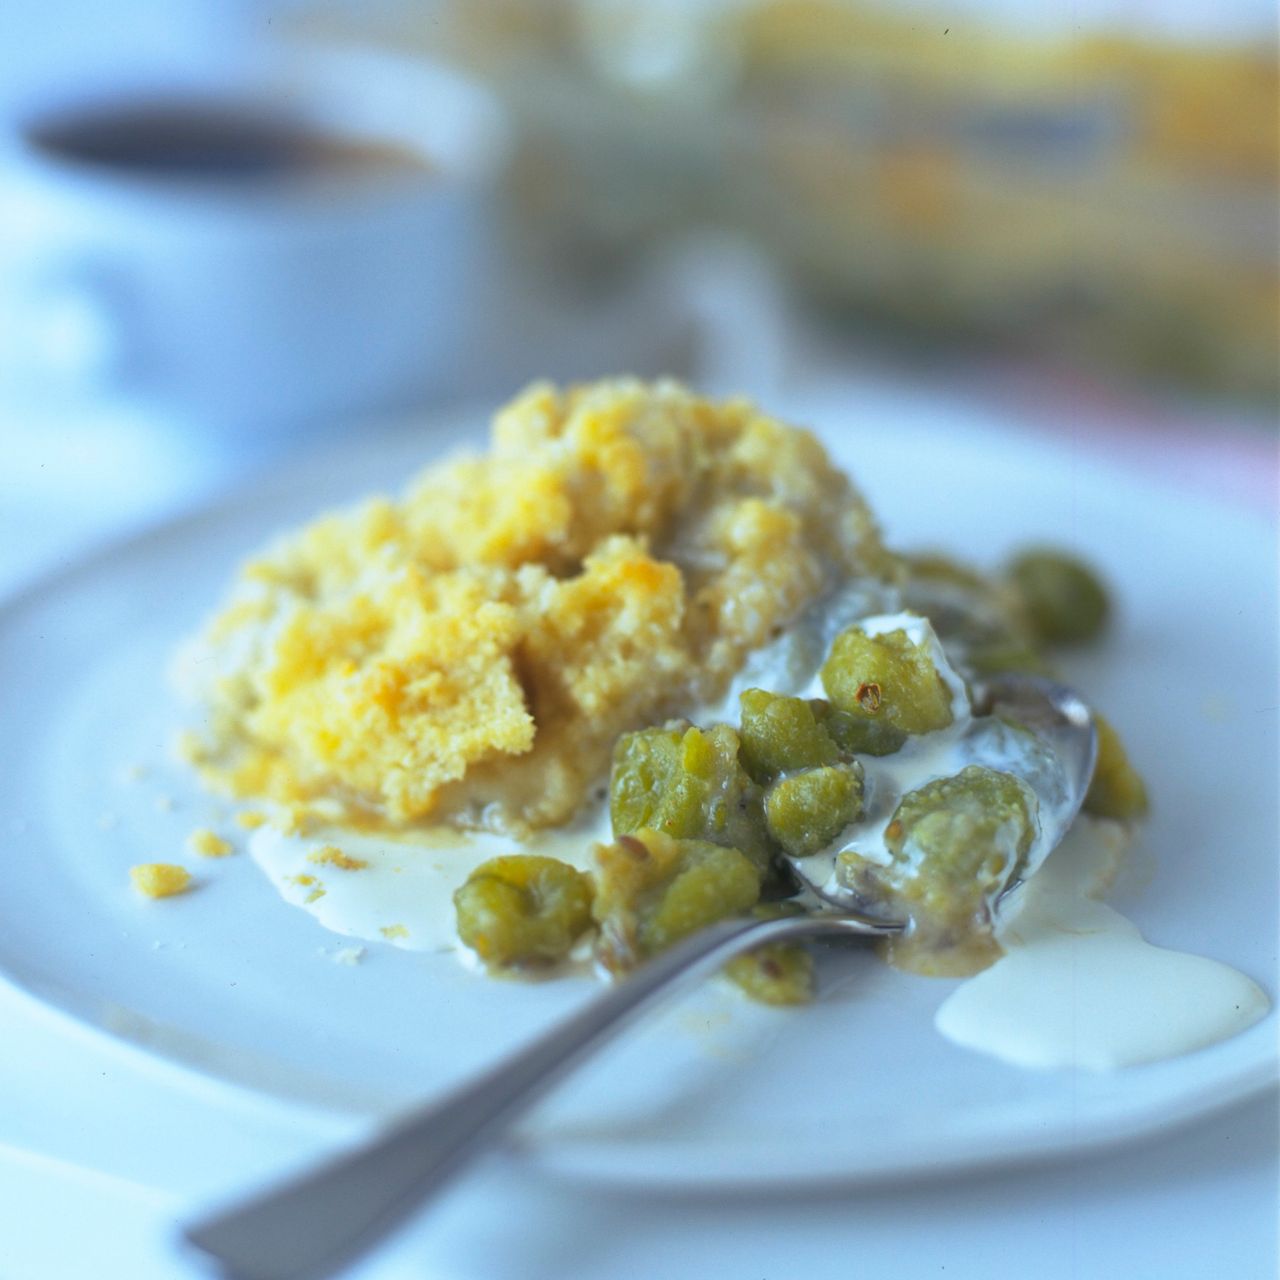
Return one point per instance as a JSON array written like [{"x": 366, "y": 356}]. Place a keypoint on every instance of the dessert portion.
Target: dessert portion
[
  {"x": 672, "y": 623},
  {"x": 621, "y": 677},
  {"x": 468, "y": 654}
]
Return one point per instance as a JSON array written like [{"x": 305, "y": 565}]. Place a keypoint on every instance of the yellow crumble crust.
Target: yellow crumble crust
[{"x": 470, "y": 652}]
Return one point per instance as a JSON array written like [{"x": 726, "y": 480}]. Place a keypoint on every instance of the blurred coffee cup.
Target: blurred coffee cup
[{"x": 252, "y": 255}]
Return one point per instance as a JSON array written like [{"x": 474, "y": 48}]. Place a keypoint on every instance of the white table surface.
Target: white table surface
[{"x": 102, "y": 1153}]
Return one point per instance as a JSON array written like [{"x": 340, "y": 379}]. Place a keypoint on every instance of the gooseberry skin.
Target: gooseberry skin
[
  {"x": 887, "y": 678},
  {"x": 1117, "y": 790},
  {"x": 1062, "y": 598},
  {"x": 778, "y": 974},
  {"x": 523, "y": 910},
  {"x": 806, "y": 811},
  {"x": 781, "y": 734},
  {"x": 652, "y": 890},
  {"x": 955, "y": 843},
  {"x": 689, "y": 784}
]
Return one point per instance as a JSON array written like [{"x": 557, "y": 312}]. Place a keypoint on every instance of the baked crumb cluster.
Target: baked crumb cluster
[
  {"x": 208, "y": 844},
  {"x": 470, "y": 652},
  {"x": 168, "y": 879},
  {"x": 160, "y": 879}
]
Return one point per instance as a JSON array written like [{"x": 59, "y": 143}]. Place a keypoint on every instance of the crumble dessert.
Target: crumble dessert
[
  {"x": 469, "y": 652},
  {"x": 519, "y": 635},
  {"x": 650, "y": 652}
]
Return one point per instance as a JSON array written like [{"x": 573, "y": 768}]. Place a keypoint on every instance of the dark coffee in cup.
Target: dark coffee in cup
[{"x": 211, "y": 141}]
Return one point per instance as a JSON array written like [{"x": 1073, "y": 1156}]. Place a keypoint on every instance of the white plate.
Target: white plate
[{"x": 715, "y": 1091}]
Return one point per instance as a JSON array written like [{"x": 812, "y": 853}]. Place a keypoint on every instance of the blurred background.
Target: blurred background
[{"x": 230, "y": 229}]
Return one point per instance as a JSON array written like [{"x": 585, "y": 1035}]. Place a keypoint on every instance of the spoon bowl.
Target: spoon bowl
[{"x": 1062, "y": 722}]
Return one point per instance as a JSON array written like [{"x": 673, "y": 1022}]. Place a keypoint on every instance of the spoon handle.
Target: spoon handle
[{"x": 309, "y": 1227}]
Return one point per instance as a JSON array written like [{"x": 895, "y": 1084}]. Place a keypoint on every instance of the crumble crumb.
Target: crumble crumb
[
  {"x": 251, "y": 819},
  {"x": 391, "y": 931},
  {"x": 331, "y": 856},
  {"x": 208, "y": 844},
  {"x": 160, "y": 879}
]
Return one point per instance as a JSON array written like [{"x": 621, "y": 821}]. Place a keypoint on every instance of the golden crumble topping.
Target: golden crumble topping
[{"x": 470, "y": 652}]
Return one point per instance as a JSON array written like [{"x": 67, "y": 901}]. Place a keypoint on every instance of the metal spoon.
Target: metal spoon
[{"x": 309, "y": 1227}]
